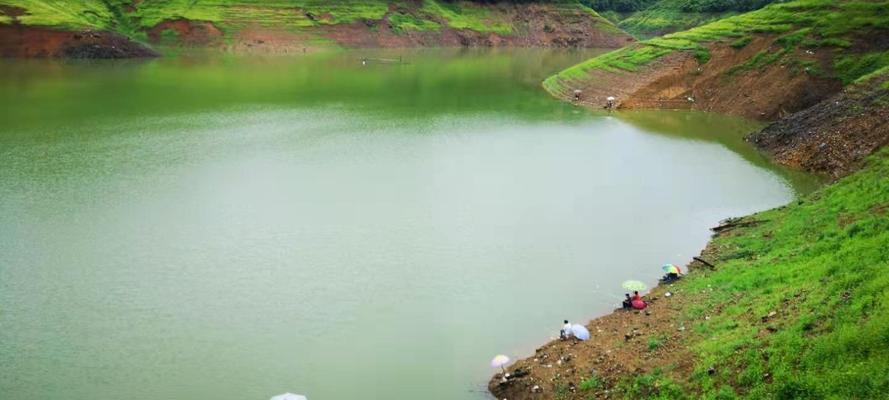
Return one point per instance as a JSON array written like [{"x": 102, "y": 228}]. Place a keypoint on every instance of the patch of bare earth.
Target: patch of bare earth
[
  {"x": 532, "y": 26},
  {"x": 679, "y": 81},
  {"x": 188, "y": 32},
  {"x": 835, "y": 136},
  {"x": 21, "y": 41},
  {"x": 270, "y": 41}
]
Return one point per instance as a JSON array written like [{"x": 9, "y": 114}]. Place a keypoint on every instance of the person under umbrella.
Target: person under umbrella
[
  {"x": 672, "y": 271},
  {"x": 637, "y": 301},
  {"x": 628, "y": 302},
  {"x": 565, "y": 332},
  {"x": 500, "y": 361}
]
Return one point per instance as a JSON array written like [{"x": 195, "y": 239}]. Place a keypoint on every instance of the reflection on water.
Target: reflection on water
[
  {"x": 234, "y": 228},
  {"x": 725, "y": 130}
]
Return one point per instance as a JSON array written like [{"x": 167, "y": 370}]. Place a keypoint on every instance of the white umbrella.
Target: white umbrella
[
  {"x": 580, "y": 332},
  {"x": 499, "y": 361},
  {"x": 289, "y": 396}
]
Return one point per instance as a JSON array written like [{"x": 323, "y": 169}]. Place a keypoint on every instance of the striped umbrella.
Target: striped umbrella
[
  {"x": 634, "y": 285},
  {"x": 671, "y": 269}
]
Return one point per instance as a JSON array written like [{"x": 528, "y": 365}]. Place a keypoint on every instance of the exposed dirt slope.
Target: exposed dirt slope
[
  {"x": 30, "y": 42},
  {"x": 680, "y": 81},
  {"x": 763, "y": 64},
  {"x": 833, "y": 137},
  {"x": 294, "y": 26}
]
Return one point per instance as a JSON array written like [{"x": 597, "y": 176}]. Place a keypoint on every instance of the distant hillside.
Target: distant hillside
[
  {"x": 650, "y": 18},
  {"x": 762, "y": 64},
  {"x": 298, "y": 25}
]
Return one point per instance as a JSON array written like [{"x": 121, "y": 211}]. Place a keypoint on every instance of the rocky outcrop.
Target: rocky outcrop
[
  {"x": 833, "y": 137},
  {"x": 680, "y": 81},
  {"x": 32, "y": 42}
]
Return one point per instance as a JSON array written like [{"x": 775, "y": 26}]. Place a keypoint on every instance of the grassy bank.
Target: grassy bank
[
  {"x": 844, "y": 28},
  {"x": 799, "y": 306}
]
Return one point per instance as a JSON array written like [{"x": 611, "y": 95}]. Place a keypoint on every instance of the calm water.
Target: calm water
[{"x": 225, "y": 228}]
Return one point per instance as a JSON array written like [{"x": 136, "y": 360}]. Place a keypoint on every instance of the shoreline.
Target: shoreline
[{"x": 621, "y": 342}]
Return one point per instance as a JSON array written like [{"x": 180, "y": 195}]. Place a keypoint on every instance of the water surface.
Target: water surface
[{"x": 233, "y": 228}]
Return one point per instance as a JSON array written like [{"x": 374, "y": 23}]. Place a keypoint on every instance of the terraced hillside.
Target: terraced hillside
[
  {"x": 281, "y": 26},
  {"x": 762, "y": 64}
]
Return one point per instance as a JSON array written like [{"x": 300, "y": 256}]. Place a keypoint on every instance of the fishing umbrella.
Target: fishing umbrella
[
  {"x": 289, "y": 396},
  {"x": 499, "y": 362},
  {"x": 580, "y": 332},
  {"x": 671, "y": 269},
  {"x": 634, "y": 285}
]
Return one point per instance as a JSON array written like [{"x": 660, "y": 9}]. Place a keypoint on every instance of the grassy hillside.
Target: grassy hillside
[
  {"x": 820, "y": 264},
  {"x": 134, "y": 18},
  {"x": 803, "y": 25},
  {"x": 649, "y": 18}
]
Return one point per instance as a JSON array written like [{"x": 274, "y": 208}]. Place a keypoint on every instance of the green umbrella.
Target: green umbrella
[{"x": 634, "y": 285}]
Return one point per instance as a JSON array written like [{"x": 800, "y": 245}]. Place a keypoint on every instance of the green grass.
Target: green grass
[
  {"x": 465, "y": 15},
  {"x": 830, "y": 23},
  {"x": 822, "y": 266},
  {"x": 655, "y": 342},
  {"x": 292, "y": 15},
  {"x": 591, "y": 383},
  {"x": 654, "y": 385},
  {"x": 401, "y": 22},
  {"x": 852, "y": 67},
  {"x": 70, "y": 14},
  {"x": 657, "y": 21}
]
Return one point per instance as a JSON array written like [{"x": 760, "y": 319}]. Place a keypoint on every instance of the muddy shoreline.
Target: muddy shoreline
[{"x": 620, "y": 345}]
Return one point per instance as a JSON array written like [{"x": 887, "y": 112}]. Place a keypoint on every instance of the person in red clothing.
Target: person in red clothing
[{"x": 637, "y": 301}]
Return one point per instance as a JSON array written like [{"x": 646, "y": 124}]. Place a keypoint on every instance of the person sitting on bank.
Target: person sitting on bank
[
  {"x": 628, "y": 302},
  {"x": 637, "y": 302},
  {"x": 670, "y": 277},
  {"x": 565, "y": 332}
]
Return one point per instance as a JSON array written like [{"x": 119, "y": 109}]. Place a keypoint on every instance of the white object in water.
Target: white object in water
[
  {"x": 289, "y": 396},
  {"x": 610, "y": 98}
]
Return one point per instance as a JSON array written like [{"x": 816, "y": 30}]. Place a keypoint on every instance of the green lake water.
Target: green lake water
[{"x": 232, "y": 228}]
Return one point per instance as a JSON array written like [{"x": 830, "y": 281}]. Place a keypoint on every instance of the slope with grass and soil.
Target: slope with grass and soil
[
  {"x": 287, "y": 26},
  {"x": 797, "y": 306},
  {"x": 763, "y": 64},
  {"x": 650, "y": 18},
  {"x": 833, "y": 137}
]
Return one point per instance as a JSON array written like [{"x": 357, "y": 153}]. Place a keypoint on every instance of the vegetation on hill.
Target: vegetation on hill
[
  {"x": 801, "y": 25},
  {"x": 800, "y": 301},
  {"x": 134, "y": 18},
  {"x": 648, "y": 18}
]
